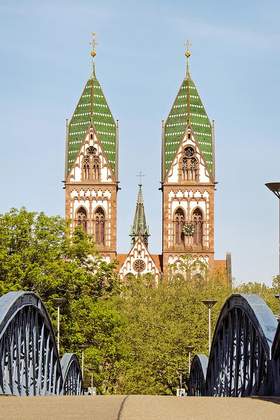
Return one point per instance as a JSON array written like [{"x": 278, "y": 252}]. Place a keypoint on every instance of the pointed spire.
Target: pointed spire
[
  {"x": 92, "y": 110},
  {"x": 140, "y": 228}
]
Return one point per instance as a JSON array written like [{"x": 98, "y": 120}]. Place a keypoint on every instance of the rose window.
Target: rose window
[
  {"x": 139, "y": 266},
  {"x": 91, "y": 150},
  {"x": 189, "y": 152}
]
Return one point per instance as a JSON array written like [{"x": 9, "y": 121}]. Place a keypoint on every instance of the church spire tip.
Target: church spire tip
[
  {"x": 93, "y": 51},
  {"x": 140, "y": 228},
  {"x": 187, "y": 55}
]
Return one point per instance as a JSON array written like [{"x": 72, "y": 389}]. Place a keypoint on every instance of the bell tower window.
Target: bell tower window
[
  {"x": 99, "y": 222},
  {"x": 179, "y": 221},
  {"x": 189, "y": 165},
  {"x": 81, "y": 218},
  {"x": 91, "y": 165},
  {"x": 197, "y": 219}
]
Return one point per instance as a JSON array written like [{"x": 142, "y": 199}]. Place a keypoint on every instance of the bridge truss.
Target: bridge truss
[
  {"x": 245, "y": 353},
  {"x": 29, "y": 360}
]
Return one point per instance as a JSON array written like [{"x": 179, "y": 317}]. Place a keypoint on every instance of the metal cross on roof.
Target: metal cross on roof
[
  {"x": 188, "y": 46},
  {"x": 140, "y": 175},
  {"x": 93, "y": 43},
  {"x": 188, "y": 53}
]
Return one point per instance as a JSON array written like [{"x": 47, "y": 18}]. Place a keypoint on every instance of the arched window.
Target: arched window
[
  {"x": 82, "y": 218},
  {"x": 96, "y": 168},
  {"x": 86, "y": 169},
  {"x": 179, "y": 221},
  {"x": 197, "y": 219},
  {"x": 99, "y": 221},
  {"x": 189, "y": 164},
  {"x": 91, "y": 165}
]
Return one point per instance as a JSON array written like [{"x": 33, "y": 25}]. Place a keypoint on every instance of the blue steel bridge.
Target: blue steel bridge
[
  {"x": 30, "y": 363},
  {"x": 244, "y": 359}
]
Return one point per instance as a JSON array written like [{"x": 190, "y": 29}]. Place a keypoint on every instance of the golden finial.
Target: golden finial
[
  {"x": 188, "y": 53},
  {"x": 93, "y": 44},
  {"x": 188, "y": 46}
]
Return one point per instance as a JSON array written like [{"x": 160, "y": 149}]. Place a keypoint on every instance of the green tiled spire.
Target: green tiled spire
[
  {"x": 187, "y": 109},
  {"x": 140, "y": 228},
  {"x": 92, "y": 109}
]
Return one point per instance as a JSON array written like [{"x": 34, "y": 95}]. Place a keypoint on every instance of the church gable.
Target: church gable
[
  {"x": 139, "y": 262},
  {"x": 91, "y": 165},
  {"x": 189, "y": 164}
]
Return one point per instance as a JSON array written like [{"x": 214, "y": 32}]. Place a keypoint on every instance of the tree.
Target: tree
[
  {"x": 37, "y": 254},
  {"x": 134, "y": 334},
  {"x": 160, "y": 323}
]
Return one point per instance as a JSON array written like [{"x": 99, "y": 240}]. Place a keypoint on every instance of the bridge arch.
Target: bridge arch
[
  {"x": 197, "y": 378},
  {"x": 72, "y": 375},
  {"x": 29, "y": 360},
  {"x": 240, "y": 358}
]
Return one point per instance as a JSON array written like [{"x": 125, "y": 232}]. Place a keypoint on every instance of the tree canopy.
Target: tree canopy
[{"x": 135, "y": 336}]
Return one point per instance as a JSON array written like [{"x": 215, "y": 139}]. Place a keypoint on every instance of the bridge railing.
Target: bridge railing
[
  {"x": 245, "y": 352},
  {"x": 276, "y": 360},
  {"x": 29, "y": 359}
]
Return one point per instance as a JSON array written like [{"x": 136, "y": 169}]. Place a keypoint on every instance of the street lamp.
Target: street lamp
[
  {"x": 59, "y": 301},
  {"x": 189, "y": 349},
  {"x": 82, "y": 347},
  {"x": 209, "y": 303},
  {"x": 275, "y": 188}
]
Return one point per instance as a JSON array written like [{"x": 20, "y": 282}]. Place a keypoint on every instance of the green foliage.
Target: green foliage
[
  {"x": 36, "y": 254},
  {"x": 161, "y": 323},
  {"x": 134, "y": 336}
]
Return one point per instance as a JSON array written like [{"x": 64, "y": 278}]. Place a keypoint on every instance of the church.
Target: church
[{"x": 187, "y": 184}]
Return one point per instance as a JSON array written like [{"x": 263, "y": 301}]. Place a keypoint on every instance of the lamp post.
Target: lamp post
[
  {"x": 82, "y": 347},
  {"x": 189, "y": 349},
  {"x": 92, "y": 389},
  {"x": 180, "y": 392},
  {"x": 209, "y": 303},
  {"x": 59, "y": 301},
  {"x": 275, "y": 188}
]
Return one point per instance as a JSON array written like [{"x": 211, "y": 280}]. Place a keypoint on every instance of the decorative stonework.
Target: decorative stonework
[
  {"x": 188, "y": 185},
  {"x": 91, "y": 185},
  {"x": 139, "y": 261},
  {"x": 139, "y": 265}
]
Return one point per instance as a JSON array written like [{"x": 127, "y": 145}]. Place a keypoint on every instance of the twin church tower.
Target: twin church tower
[{"x": 187, "y": 183}]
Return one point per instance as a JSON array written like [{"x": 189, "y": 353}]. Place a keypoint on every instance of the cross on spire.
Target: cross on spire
[
  {"x": 188, "y": 45},
  {"x": 140, "y": 175},
  {"x": 93, "y": 43}
]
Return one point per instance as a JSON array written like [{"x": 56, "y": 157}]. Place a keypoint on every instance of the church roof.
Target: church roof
[
  {"x": 158, "y": 261},
  {"x": 140, "y": 228},
  {"x": 92, "y": 109},
  {"x": 187, "y": 109}
]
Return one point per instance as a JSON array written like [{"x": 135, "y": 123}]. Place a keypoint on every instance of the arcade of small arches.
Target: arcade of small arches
[{"x": 189, "y": 268}]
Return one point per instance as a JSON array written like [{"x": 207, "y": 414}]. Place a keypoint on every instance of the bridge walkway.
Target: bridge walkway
[{"x": 138, "y": 407}]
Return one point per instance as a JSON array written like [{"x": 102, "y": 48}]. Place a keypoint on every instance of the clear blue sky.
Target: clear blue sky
[{"x": 235, "y": 64}]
